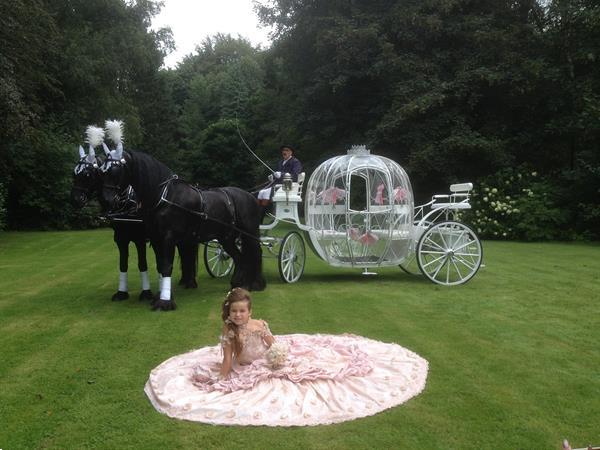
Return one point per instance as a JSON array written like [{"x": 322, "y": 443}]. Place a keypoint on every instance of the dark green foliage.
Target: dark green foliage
[
  {"x": 221, "y": 161},
  {"x": 2, "y": 207},
  {"x": 454, "y": 90},
  {"x": 218, "y": 90},
  {"x": 63, "y": 66}
]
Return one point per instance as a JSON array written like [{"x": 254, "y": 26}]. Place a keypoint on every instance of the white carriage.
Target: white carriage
[{"x": 359, "y": 212}]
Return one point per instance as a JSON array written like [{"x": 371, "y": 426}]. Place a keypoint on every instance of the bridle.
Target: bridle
[
  {"x": 85, "y": 168},
  {"x": 122, "y": 195}
]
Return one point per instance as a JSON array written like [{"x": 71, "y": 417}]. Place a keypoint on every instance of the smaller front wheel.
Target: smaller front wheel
[
  {"x": 292, "y": 257},
  {"x": 217, "y": 261}
]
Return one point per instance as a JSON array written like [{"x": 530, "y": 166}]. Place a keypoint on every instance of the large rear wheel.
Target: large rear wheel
[{"x": 449, "y": 253}]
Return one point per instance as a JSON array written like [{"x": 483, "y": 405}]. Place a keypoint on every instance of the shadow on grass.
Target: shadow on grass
[{"x": 358, "y": 277}]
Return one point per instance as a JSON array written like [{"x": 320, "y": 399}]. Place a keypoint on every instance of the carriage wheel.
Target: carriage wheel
[
  {"x": 217, "y": 261},
  {"x": 292, "y": 256},
  {"x": 449, "y": 253}
]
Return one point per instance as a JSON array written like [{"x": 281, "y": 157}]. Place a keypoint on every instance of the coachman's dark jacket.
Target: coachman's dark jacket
[{"x": 292, "y": 166}]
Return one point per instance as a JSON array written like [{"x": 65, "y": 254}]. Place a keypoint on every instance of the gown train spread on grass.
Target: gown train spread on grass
[{"x": 326, "y": 379}]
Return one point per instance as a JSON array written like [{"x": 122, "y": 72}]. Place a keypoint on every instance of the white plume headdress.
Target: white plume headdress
[
  {"x": 114, "y": 131},
  {"x": 94, "y": 135}
]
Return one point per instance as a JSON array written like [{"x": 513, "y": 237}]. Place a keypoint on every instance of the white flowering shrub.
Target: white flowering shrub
[{"x": 516, "y": 203}]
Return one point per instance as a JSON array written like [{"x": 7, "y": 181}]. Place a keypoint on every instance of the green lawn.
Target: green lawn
[{"x": 513, "y": 355}]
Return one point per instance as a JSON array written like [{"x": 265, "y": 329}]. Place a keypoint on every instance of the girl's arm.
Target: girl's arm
[
  {"x": 227, "y": 346},
  {"x": 227, "y": 357},
  {"x": 269, "y": 340},
  {"x": 267, "y": 336}
]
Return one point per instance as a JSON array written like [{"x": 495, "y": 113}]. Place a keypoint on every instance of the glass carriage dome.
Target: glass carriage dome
[{"x": 359, "y": 210}]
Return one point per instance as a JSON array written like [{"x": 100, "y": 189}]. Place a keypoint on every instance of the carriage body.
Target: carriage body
[{"x": 360, "y": 212}]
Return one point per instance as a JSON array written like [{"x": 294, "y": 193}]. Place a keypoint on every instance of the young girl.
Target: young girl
[
  {"x": 323, "y": 379},
  {"x": 244, "y": 338}
]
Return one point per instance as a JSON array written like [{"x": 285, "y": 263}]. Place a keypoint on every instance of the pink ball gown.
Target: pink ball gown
[{"x": 326, "y": 379}]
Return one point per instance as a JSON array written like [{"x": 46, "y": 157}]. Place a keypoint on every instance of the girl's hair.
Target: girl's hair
[{"x": 234, "y": 296}]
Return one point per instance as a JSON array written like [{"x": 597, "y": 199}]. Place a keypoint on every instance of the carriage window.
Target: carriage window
[{"x": 358, "y": 193}]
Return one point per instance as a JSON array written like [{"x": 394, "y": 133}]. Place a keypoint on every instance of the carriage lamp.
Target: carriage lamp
[{"x": 287, "y": 182}]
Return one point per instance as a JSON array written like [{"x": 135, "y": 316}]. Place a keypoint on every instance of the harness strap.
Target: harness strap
[
  {"x": 230, "y": 205},
  {"x": 163, "y": 198},
  {"x": 202, "y": 214}
]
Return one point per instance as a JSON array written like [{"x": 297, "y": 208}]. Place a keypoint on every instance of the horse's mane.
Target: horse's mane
[{"x": 147, "y": 174}]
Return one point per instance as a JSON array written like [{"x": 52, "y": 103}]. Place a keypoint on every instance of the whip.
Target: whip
[{"x": 237, "y": 121}]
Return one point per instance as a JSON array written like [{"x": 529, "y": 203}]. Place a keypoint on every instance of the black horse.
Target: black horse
[
  {"x": 127, "y": 226},
  {"x": 177, "y": 212}
]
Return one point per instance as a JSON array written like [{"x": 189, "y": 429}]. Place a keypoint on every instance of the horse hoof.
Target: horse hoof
[
  {"x": 120, "y": 295},
  {"x": 259, "y": 285},
  {"x": 189, "y": 284},
  {"x": 164, "y": 305},
  {"x": 146, "y": 295}
]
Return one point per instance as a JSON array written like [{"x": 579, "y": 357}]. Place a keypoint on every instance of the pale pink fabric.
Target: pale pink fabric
[
  {"x": 327, "y": 379},
  {"x": 368, "y": 238},
  {"x": 399, "y": 194},
  {"x": 379, "y": 195},
  {"x": 331, "y": 195}
]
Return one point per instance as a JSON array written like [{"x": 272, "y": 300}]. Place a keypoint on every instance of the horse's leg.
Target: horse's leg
[
  {"x": 238, "y": 279},
  {"x": 164, "y": 263},
  {"x": 188, "y": 252},
  {"x": 155, "y": 247},
  {"x": 248, "y": 219},
  {"x": 122, "y": 293},
  {"x": 146, "y": 293},
  {"x": 252, "y": 261}
]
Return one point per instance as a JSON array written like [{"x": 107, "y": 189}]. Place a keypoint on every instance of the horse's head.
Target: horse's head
[
  {"x": 86, "y": 177},
  {"x": 115, "y": 176}
]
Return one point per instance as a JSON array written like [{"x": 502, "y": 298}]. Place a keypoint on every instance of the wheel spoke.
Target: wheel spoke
[
  {"x": 456, "y": 268},
  {"x": 464, "y": 245},
  {"x": 435, "y": 244},
  {"x": 438, "y": 269},
  {"x": 464, "y": 263},
  {"x": 458, "y": 238},
  {"x": 441, "y": 235},
  {"x": 433, "y": 261},
  {"x": 467, "y": 254}
]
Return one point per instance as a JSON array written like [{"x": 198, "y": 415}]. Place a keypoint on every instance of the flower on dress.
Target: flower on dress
[{"x": 277, "y": 355}]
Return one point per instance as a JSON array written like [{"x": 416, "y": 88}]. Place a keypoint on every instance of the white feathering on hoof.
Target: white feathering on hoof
[
  {"x": 94, "y": 135},
  {"x": 114, "y": 130}
]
